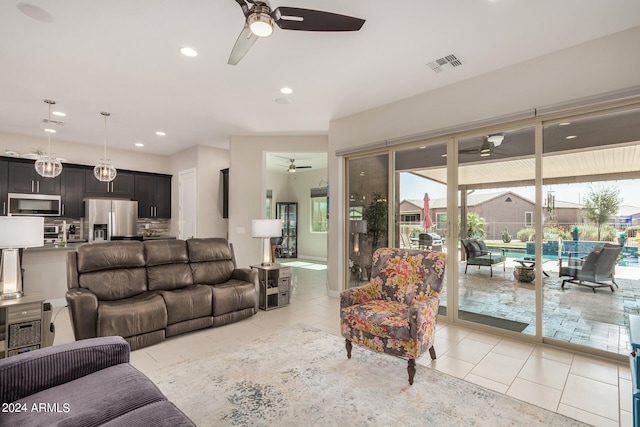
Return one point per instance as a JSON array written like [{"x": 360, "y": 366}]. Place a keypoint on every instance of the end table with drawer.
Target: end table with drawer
[
  {"x": 21, "y": 325},
  {"x": 275, "y": 285}
]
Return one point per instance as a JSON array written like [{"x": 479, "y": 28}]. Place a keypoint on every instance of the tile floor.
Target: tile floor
[{"x": 589, "y": 389}]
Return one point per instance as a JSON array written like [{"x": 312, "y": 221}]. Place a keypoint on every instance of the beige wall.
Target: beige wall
[
  {"x": 569, "y": 74},
  {"x": 207, "y": 162},
  {"x": 248, "y": 184}
]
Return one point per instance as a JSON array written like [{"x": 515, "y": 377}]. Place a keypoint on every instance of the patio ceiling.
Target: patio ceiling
[
  {"x": 603, "y": 147},
  {"x": 557, "y": 167}
]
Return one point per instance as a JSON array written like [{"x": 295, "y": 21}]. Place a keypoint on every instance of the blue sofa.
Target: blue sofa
[{"x": 84, "y": 383}]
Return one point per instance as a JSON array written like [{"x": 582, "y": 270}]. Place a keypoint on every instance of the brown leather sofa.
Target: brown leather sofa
[{"x": 147, "y": 291}]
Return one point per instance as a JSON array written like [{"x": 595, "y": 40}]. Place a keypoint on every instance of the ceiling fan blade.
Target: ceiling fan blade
[
  {"x": 246, "y": 39},
  {"x": 304, "y": 167},
  {"x": 294, "y": 18}
]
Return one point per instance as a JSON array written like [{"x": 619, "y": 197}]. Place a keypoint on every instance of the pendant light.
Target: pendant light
[
  {"x": 48, "y": 166},
  {"x": 105, "y": 171}
]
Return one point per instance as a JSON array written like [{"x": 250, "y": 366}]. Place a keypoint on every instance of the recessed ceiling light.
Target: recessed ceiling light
[
  {"x": 571, "y": 137},
  {"x": 286, "y": 90},
  {"x": 160, "y": 133},
  {"x": 139, "y": 144},
  {"x": 564, "y": 123},
  {"x": 58, "y": 113},
  {"x": 50, "y": 130},
  {"x": 187, "y": 51}
]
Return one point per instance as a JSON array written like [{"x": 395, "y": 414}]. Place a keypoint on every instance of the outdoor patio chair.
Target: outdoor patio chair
[
  {"x": 478, "y": 254},
  {"x": 597, "y": 268},
  {"x": 406, "y": 242},
  {"x": 395, "y": 313}
]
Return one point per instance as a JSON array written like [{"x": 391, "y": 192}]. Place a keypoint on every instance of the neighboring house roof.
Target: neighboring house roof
[{"x": 474, "y": 199}]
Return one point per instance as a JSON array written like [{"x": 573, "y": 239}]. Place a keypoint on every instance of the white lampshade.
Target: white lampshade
[
  {"x": 358, "y": 226},
  {"x": 21, "y": 232},
  {"x": 265, "y": 228}
]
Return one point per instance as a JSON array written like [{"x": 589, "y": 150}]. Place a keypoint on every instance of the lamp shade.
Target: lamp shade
[
  {"x": 358, "y": 226},
  {"x": 21, "y": 232},
  {"x": 265, "y": 228}
]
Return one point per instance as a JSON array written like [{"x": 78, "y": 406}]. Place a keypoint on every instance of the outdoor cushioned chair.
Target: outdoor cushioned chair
[
  {"x": 396, "y": 311},
  {"x": 478, "y": 254},
  {"x": 597, "y": 268}
]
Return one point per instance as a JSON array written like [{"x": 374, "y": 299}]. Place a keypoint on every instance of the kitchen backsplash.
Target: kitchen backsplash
[{"x": 157, "y": 226}]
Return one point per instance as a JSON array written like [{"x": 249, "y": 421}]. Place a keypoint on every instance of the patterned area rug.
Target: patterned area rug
[{"x": 301, "y": 376}]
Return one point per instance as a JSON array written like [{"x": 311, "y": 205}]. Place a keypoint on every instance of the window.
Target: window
[
  {"x": 319, "y": 210},
  {"x": 441, "y": 220},
  {"x": 410, "y": 218},
  {"x": 528, "y": 219}
]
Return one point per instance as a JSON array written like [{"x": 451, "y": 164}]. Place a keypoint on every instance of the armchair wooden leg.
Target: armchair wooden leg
[
  {"x": 348, "y": 346},
  {"x": 411, "y": 368},
  {"x": 432, "y": 353}
]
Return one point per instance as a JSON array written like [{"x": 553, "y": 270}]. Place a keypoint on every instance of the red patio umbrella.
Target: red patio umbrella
[{"x": 426, "y": 217}]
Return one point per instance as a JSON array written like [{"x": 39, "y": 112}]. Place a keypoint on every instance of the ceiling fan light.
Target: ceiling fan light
[
  {"x": 260, "y": 24},
  {"x": 292, "y": 168},
  {"x": 496, "y": 139}
]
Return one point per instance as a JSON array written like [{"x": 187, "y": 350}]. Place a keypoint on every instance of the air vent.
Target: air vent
[
  {"x": 53, "y": 122},
  {"x": 441, "y": 64}
]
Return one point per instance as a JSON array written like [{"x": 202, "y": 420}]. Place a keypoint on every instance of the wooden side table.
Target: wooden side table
[{"x": 21, "y": 325}]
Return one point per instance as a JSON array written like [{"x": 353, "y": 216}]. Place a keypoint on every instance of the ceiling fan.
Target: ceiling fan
[
  {"x": 259, "y": 20},
  {"x": 292, "y": 167},
  {"x": 489, "y": 144}
]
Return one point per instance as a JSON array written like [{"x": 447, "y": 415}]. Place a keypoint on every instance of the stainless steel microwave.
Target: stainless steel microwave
[{"x": 34, "y": 204}]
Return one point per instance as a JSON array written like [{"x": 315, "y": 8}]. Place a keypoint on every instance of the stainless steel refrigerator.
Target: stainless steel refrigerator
[{"x": 106, "y": 220}]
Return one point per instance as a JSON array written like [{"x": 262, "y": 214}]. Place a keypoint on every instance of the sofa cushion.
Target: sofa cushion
[
  {"x": 168, "y": 277},
  {"x": 110, "y": 255},
  {"x": 90, "y": 400},
  {"x": 209, "y": 249},
  {"x": 160, "y": 252},
  {"x": 156, "y": 414},
  {"x": 132, "y": 316},
  {"x": 113, "y": 285},
  {"x": 187, "y": 303},
  {"x": 211, "y": 260},
  {"x": 232, "y": 296}
]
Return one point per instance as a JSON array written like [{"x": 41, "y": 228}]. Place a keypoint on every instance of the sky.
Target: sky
[{"x": 414, "y": 187}]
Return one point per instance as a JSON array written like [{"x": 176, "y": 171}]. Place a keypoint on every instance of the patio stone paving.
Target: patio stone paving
[{"x": 575, "y": 314}]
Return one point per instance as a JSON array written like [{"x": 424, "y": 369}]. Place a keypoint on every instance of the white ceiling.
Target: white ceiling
[{"x": 122, "y": 57}]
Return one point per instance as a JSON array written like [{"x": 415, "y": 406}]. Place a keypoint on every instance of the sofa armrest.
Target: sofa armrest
[
  {"x": 29, "y": 373},
  {"x": 83, "y": 310},
  {"x": 248, "y": 275}
]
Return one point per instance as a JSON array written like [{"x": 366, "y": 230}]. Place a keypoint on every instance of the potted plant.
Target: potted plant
[
  {"x": 575, "y": 233},
  {"x": 622, "y": 239},
  {"x": 375, "y": 213}
]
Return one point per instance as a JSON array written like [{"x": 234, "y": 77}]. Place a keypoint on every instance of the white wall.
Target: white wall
[
  {"x": 207, "y": 162},
  {"x": 604, "y": 65},
  {"x": 248, "y": 185}
]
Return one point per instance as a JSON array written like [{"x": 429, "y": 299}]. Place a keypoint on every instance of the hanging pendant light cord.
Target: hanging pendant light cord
[{"x": 49, "y": 133}]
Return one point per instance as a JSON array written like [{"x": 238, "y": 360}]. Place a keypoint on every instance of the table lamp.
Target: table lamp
[
  {"x": 357, "y": 227},
  {"x": 16, "y": 233},
  {"x": 266, "y": 229}
]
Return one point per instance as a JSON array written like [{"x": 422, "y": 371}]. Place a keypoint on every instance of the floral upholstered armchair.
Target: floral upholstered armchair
[{"x": 396, "y": 311}]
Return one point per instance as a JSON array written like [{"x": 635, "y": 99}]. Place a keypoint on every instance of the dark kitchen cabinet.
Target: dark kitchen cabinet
[
  {"x": 4, "y": 186},
  {"x": 153, "y": 193},
  {"x": 121, "y": 187},
  {"x": 24, "y": 179},
  {"x": 72, "y": 191}
]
